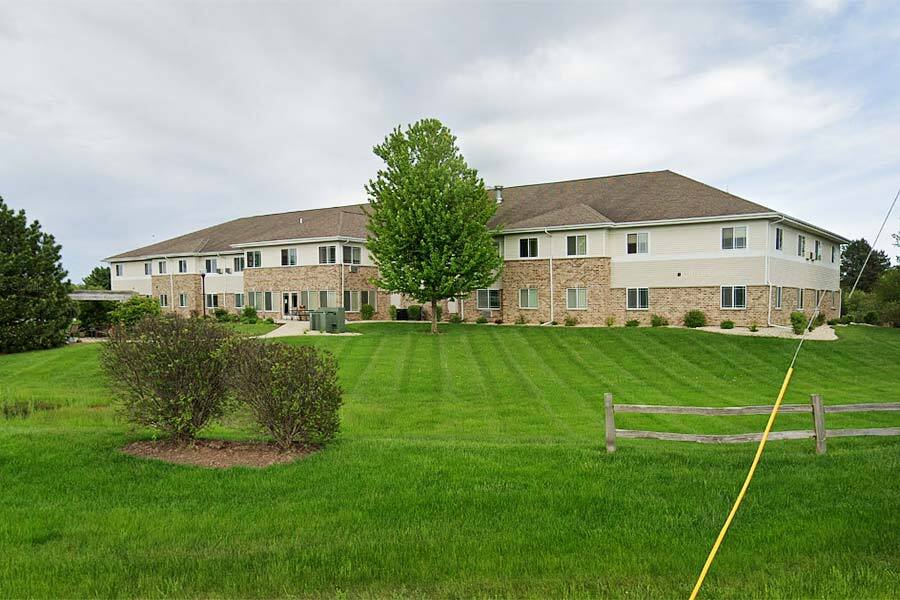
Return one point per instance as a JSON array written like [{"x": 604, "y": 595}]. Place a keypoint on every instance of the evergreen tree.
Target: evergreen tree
[
  {"x": 98, "y": 279},
  {"x": 852, "y": 260},
  {"x": 428, "y": 218},
  {"x": 35, "y": 310}
]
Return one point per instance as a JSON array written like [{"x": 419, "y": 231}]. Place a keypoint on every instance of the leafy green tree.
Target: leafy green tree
[
  {"x": 428, "y": 218},
  {"x": 35, "y": 310},
  {"x": 852, "y": 260},
  {"x": 887, "y": 290},
  {"x": 134, "y": 310},
  {"x": 98, "y": 279}
]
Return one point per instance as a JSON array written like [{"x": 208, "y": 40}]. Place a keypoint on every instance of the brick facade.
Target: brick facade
[{"x": 175, "y": 284}]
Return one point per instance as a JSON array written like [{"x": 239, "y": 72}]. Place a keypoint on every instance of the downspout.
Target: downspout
[
  {"x": 547, "y": 233},
  {"x": 768, "y": 282}
]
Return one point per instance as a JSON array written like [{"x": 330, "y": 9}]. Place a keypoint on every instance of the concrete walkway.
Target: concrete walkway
[{"x": 294, "y": 328}]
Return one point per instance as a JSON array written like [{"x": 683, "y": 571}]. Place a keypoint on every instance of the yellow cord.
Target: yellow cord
[{"x": 737, "y": 502}]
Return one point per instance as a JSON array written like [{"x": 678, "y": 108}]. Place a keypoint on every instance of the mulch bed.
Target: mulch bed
[{"x": 217, "y": 454}]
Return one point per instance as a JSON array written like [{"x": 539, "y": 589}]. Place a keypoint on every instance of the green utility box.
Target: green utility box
[{"x": 330, "y": 320}]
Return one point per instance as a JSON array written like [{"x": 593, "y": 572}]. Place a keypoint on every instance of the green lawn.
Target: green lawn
[
  {"x": 471, "y": 464},
  {"x": 258, "y": 328}
]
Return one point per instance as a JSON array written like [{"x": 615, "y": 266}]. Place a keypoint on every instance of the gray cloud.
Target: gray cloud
[{"x": 125, "y": 123}]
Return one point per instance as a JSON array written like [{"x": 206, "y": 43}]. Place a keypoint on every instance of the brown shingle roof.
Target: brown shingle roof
[{"x": 650, "y": 196}]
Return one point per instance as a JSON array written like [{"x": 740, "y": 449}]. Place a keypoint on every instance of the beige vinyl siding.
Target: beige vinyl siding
[
  {"x": 132, "y": 278},
  {"x": 788, "y": 272},
  {"x": 596, "y": 243},
  {"x": 697, "y": 240},
  {"x": 739, "y": 270}
]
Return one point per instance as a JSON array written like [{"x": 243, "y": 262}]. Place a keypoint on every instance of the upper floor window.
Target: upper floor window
[
  {"x": 182, "y": 266},
  {"x": 352, "y": 255},
  {"x": 637, "y": 298},
  {"x": 487, "y": 299},
  {"x": 801, "y": 245},
  {"x": 779, "y": 238},
  {"x": 499, "y": 243},
  {"x": 576, "y": 298},
  {"x": 147, "y": 269},
  {"x": 528, "y": 247},
  {"x": 161, "y": 267},
  {"x": 576, "y": 245},
  {"x": 212, "y": 265},
  {"x": 239, "y": 264},
  {"x": 254, "y": 259},
  {"x": 734, "y": 296},
  {"x": 734, "y": 238},
  {"x": 818, "y": 247},
  {"x": 833, "y": 252},
  {"x": 638, "y": 243},
  {"x": 327, "y": 255},
  {"x": 119, "y": 270},
  {"x": 288, "y": 257},
  {"x": 528, "y": 298}
]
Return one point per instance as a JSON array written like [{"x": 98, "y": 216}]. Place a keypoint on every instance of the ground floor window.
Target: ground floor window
[
  {"x": 734, "y": 296},
  {"x": 834, "y": 299},
  {"x": 238, "y": 300},
  {"x": 212, "y": 301},
  {"x": 819, "y": 295},
  {"x": 267, "y": 296},
  {"x": 182, "y": 300},
  {"x": 254, "y": 300},
  {"x": 779, "y": 293},
  {"x": 799, "y": 297},
  {"x": 368, "y": 297},
  {"x": 576, "y": 298},
  {"x": 637, "y": 298},
  {"x": 164, "y": 300},
  {"x": 351, "y": 300},
  {"x": 528, "y": 298},
  {"x": 487, "y": 299}
]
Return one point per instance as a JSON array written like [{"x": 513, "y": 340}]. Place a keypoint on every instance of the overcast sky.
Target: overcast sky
[{"x": 126, "y": 123}]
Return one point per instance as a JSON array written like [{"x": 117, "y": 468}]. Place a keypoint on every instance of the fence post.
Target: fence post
[
  {"x": 818, "y": 422},
  {"x": 610, "y": 423}
]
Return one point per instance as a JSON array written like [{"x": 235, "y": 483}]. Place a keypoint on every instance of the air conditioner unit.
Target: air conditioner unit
[
  {"x": 354, "y": 268},
  {"x": 227, "y": 271},
  {"x": 218, "y": 271},
  {"x": 812, "y": 256}
]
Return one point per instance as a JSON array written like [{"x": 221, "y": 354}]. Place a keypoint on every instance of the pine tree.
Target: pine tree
[
  {"x": 35, "y": 310},
  {"x": 852, "y": 259},
  {"x": 428, "y": 218},
  {"x": 98, "y": 279}
]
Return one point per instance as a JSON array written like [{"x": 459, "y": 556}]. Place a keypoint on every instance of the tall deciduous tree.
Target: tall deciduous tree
[
  {"x": 35, "y": 310},
  {"x": 852, "y": 260},
  {"x": 428, "y": 218},
  {"x": 98, "y": 279}
]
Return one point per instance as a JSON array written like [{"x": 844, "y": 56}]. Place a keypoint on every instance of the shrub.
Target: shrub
[
  {"x": 658, "y": 321},
  {"x": 695, "y": 318},
  {"x": 632, "y": 323},
  {"x": 846, "y": 320},
  {"x": 222, "y": 315},
  {"x": 481, "y": 319},
  {"x": 833, "y": 322},
  {"x": 818, "y": 321},
  {"x": 392, "y": 312},
  {"x": 292, "y": 391},
  {"x": 754, "y": 327},
  {"x": 726, "y": 324},
  {"x": 249, "y": 315},
  {"x": 455, "y": 318},
  {"x": 798, "y": 322},
  {"x": 891, "y": 313},
  {"x": 270, "y": 321},
  {"x": 498, "y": 321},
  {"x": 571, "y": 321},
  {"x": 520, "y": 320},
  {"x": 610, "y": 321},
  {"x": 134, "y": 309},
  {"x": 366, "y": 312},
  {"x": 871, "y": 318},
  {"x": 414, "y": 312},
  {"x": 169, "y": 372}
]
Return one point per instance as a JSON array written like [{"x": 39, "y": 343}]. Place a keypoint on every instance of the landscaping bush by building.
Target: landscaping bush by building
[
  {"x": 169, "y": 372},
  {"x": 571, "y": 321},
  {"x": 414, "y": 312},
  {"x": 134, "y": 309},
  {"x": 292, "y": 391},
  {"x": 366, "y": 312},
  {"x": 726, "y": 324},
  {"x": 695, "y": 318},
  {"x": 455, "y": 318},
  {"x": 392, "y": 312},
  {"x": 249, "y": 315},
  {"x": 632, "y": 323},
  {"x": 481, "y": 319},
  {"x": 798, "y": 322},
  {"x": 658, "y": 321},
  {"x": 610, "y": 321}
]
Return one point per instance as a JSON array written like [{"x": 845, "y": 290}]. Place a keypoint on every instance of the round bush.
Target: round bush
[
  {"x": 695, "y": 318},
  {"x": 366, "y": 312},
  {"x": 726, "y": 324}
]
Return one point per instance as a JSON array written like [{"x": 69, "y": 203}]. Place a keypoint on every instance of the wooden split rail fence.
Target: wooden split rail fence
[{"x": 815, "y": 407}]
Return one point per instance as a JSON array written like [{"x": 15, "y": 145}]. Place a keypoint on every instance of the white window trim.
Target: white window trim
[
  {"x": 537, "y": 243},
  {"x": 489, "y": 290},
  {"x": 732, "y": 228},
  {"x": 732, "y": 307},
  {"x": 637, "y": 297},
  {"x": 585, "y": 307},
  {"x": 537, "y": 299},
  {"x": 781, "y": 248},
  {"x": 637, "y": 244},
  {"x": 319, "y": 254},
  {"x": 256, "y": 253},
  {"x": 163, "y": 300},
  {"x": 801, "y": 297},
  {"x": 587, "y": 250},
  {"x": 778, "y": 301},
  {"x": 289, "y": 250},
  {"x": 236, "y": 296}
]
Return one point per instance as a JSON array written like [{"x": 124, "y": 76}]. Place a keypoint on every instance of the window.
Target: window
[
  {"x": 779, "y": 238},
  {"x": 163, "y": 300},
  {"x": 528, "y": 248},
  {"x": 254, "y": 259},
  {"x": 833, "y": 299},
  {"x": 801, "y": 245},
  {"x": 212, "y": 265},
  {"x": 351, "y": 301},
  {"x": 182, "y": 300},
  {"x": 833, "y": 252},
  {"x": 799, "y": 297},
  {"x": 368, "y": 297},
  {"x": 268, "y": 301},
  {"x": 819, "y": 294},
  {"x": 734, "y": 238},
  {"x": 212, "y": 301},
  {"x": 118, "y": 270},
  {"x": 528, "y": 298},
  {"x": 182, "y": 266},
  {"x": 576, "y": 298},
  {"x": 637, "y": 243},
  {"x": 779, "y": 293},
  {"x": 352, "y": 255},
  {"x": 576, "y": 245},
  {"x": 239, "y": 264},
  {"x": 238, "y": 300},
  {"x": 288, "y": 257},
  {"x": 327, "y": 255},
  {"x": 327, "y": 298},
  {"x": 161, "y": 267},
  {"x": 499, "y": 243},
  {"x": 254, "y": 299},
  {"x": 734, "y": 296},
  {"x": 488, "y": 299},
  {"x": 147, "y": 269},
  {"x": 818, "y": 247},
  {"x": 637, "y": 298}
]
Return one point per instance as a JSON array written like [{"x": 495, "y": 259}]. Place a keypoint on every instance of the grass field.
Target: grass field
[
  {"x": 258, "y": 328},
  {"x": 471, "y": 464}
]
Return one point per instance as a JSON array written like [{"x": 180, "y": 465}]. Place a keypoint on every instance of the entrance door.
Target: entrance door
[
  {"x": 295, "y": 300},
  {"x": 286, "y": 304}
]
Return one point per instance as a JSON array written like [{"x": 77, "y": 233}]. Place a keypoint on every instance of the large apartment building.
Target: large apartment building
[{"x": 622, "y": 247}]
